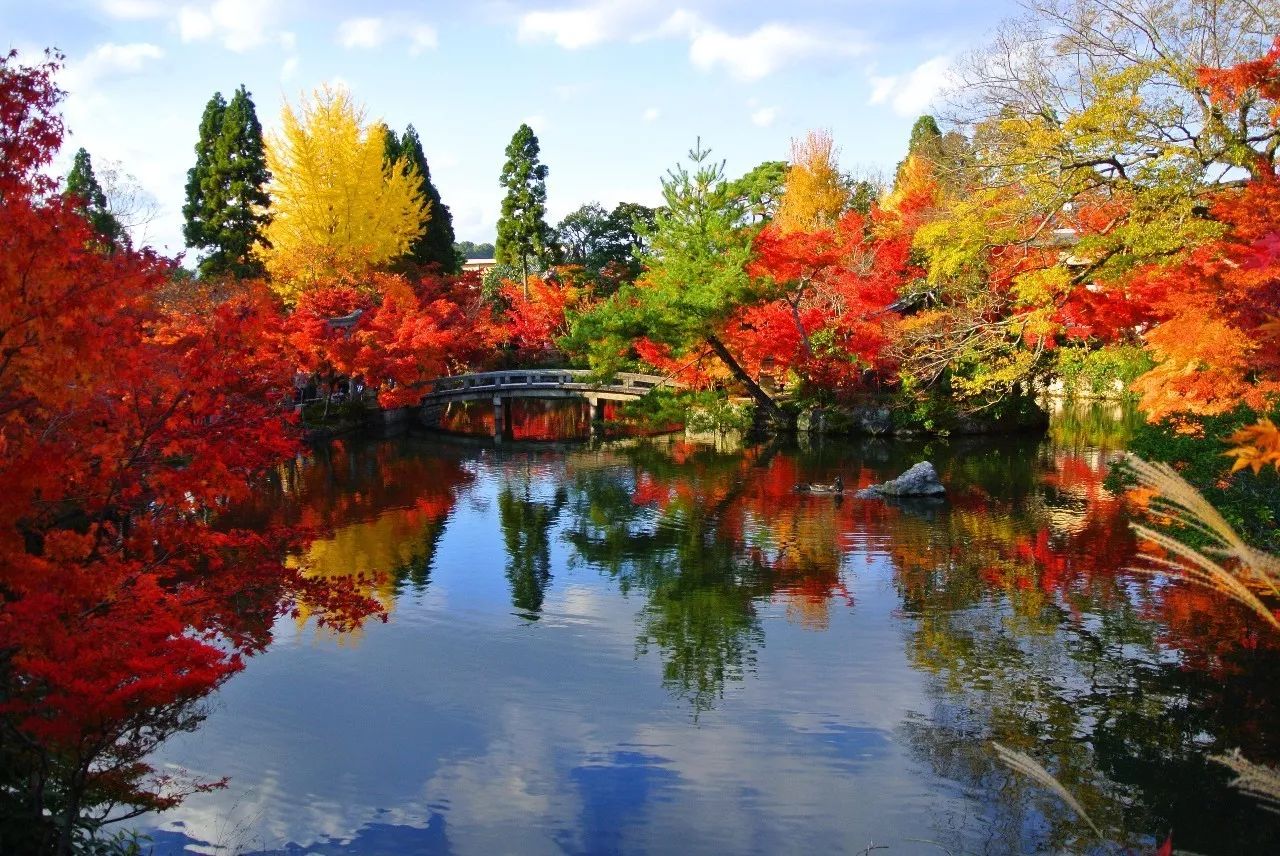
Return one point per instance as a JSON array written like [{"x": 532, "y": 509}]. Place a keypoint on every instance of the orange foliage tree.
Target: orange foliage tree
[
  {"x": 1217, "y": 338},
  {"x": 402, "y": 337}
]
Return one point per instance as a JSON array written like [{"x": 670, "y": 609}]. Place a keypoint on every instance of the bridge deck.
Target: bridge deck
[{"x": 542, "y": 383}]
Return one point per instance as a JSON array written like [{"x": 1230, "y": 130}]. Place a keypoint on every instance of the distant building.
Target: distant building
[{"x": 480, "y": 265}]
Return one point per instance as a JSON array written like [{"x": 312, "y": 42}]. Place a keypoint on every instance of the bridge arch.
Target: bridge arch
[{"x": 499, "y": 387}]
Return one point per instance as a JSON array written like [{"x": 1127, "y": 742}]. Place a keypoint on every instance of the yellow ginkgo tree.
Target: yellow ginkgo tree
[
  {"x": 815, "y": 194},
  {"x": 336, "y": 203}
]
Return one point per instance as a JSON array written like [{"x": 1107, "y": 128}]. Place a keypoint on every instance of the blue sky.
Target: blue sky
[{"x": 616, "y": 90}]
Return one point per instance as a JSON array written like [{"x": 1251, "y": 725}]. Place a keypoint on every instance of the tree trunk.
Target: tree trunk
[
  {"x": 804, "y": 335},
  {"x": 66, "y": 830},
  {"x": 762, "y": 398}
]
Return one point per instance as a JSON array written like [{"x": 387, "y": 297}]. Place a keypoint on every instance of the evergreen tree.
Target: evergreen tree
[
  {"x": 606, "y": 244},
  {"x": 83, "y": 184},
  {"x": 525, "y": 241},
  {"x": 227, "y": 200},
  {"x": 947, "y": 155},
  {"x": 925, "y": 143},
  {"x": 390, "y": 146},
  {"x": 195, "y": 228},
  {"x": 695, "y": 278},
  {"x": 435, "y": 244},
  {"x": 926, "y": 137}
]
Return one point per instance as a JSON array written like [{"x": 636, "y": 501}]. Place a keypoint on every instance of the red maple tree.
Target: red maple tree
[
  {"x": 827, "y": 315},
  {"x": 126, "y": 429}
]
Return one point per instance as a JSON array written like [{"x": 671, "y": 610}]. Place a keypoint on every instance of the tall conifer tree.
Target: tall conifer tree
[
  {"x": 390, "y": 145},
  {"x": 83, "y": 184},
  {"x": 524, "y": 240},
  {"x": 195, "y": 211},
  {"x": 227, "y": 200},
  {"x": 435, "y": 244}
]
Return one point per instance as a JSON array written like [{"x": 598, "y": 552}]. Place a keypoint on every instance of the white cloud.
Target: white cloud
[
  {"x": 368, "y": 33},
  {"x": 765, "y": 49},
  {"x": 362, "y": 33},
  {"x": 289, "y": 68},
  {"x": 135, "y": 10},
  {"x": 652, "y": 114},
  {"x": 583, "y": 26},
  {"x": 423, "y": 37},
  {"x": 764, "y": 117},
  {"x": 751, "y": 56},
  {"x": 194, "y": 25},
  {"x": 109, "y": 60},
  {"x": 240, "y": 25},
  {"x": 912, "y": 93}
]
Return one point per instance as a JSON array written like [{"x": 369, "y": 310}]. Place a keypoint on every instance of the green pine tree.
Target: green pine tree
[
  {"x": 525, "y": 241},
  {"x": 227, "y": 200},
  {"x": 435, "y": 245},
  {"x": 390, "y": 145},
  {"x": 695, "y": 278},
  {"x": 83, "y": 185},
  {"x": 195, "y": 229},
  {"x": 926, "y": 136},
  {"x": 926, "y": 142}
]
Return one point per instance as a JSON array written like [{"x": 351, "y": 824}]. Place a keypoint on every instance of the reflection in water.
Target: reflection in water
[
  {"x": 386, "y": 512},
  {"x": 721, "y": 663},
  {"x": 531, "y": 419},
  {"x": 526, "y": 524},
  {"x": 1035, "y": 638}
]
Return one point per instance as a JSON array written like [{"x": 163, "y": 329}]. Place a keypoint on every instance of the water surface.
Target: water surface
[{"x": 658, "y": 646}]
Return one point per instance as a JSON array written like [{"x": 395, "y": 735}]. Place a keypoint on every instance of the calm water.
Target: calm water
[{"x": 659, "y": 647}]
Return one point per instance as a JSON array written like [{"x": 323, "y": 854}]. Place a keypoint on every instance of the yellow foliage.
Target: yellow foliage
[
  {"x": 916, "y": 178},
  {"x": 1041, "y": 286},
  {"x": 335, "y": 203},
  {"x": 815, "y": 195}
]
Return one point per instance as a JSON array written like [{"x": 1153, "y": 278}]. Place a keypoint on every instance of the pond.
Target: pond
[{"x": 658, "y": 646}]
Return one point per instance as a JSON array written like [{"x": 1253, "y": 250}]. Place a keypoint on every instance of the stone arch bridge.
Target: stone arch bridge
[{"x": 501, "y": 387}]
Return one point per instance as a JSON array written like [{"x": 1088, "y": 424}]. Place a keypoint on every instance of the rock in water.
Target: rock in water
[{"x": 920, "y": 480}]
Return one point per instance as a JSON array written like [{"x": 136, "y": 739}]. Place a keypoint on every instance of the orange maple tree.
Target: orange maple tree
[
  {"x": 536, "y": 315},
  {"x": 1216, "y": 339}
]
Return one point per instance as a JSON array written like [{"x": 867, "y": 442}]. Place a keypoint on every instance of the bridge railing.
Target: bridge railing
[{"x": 523, "y": 379}]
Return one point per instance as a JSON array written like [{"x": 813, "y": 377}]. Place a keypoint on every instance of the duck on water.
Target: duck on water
[{"x": 834, "y": 487}]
